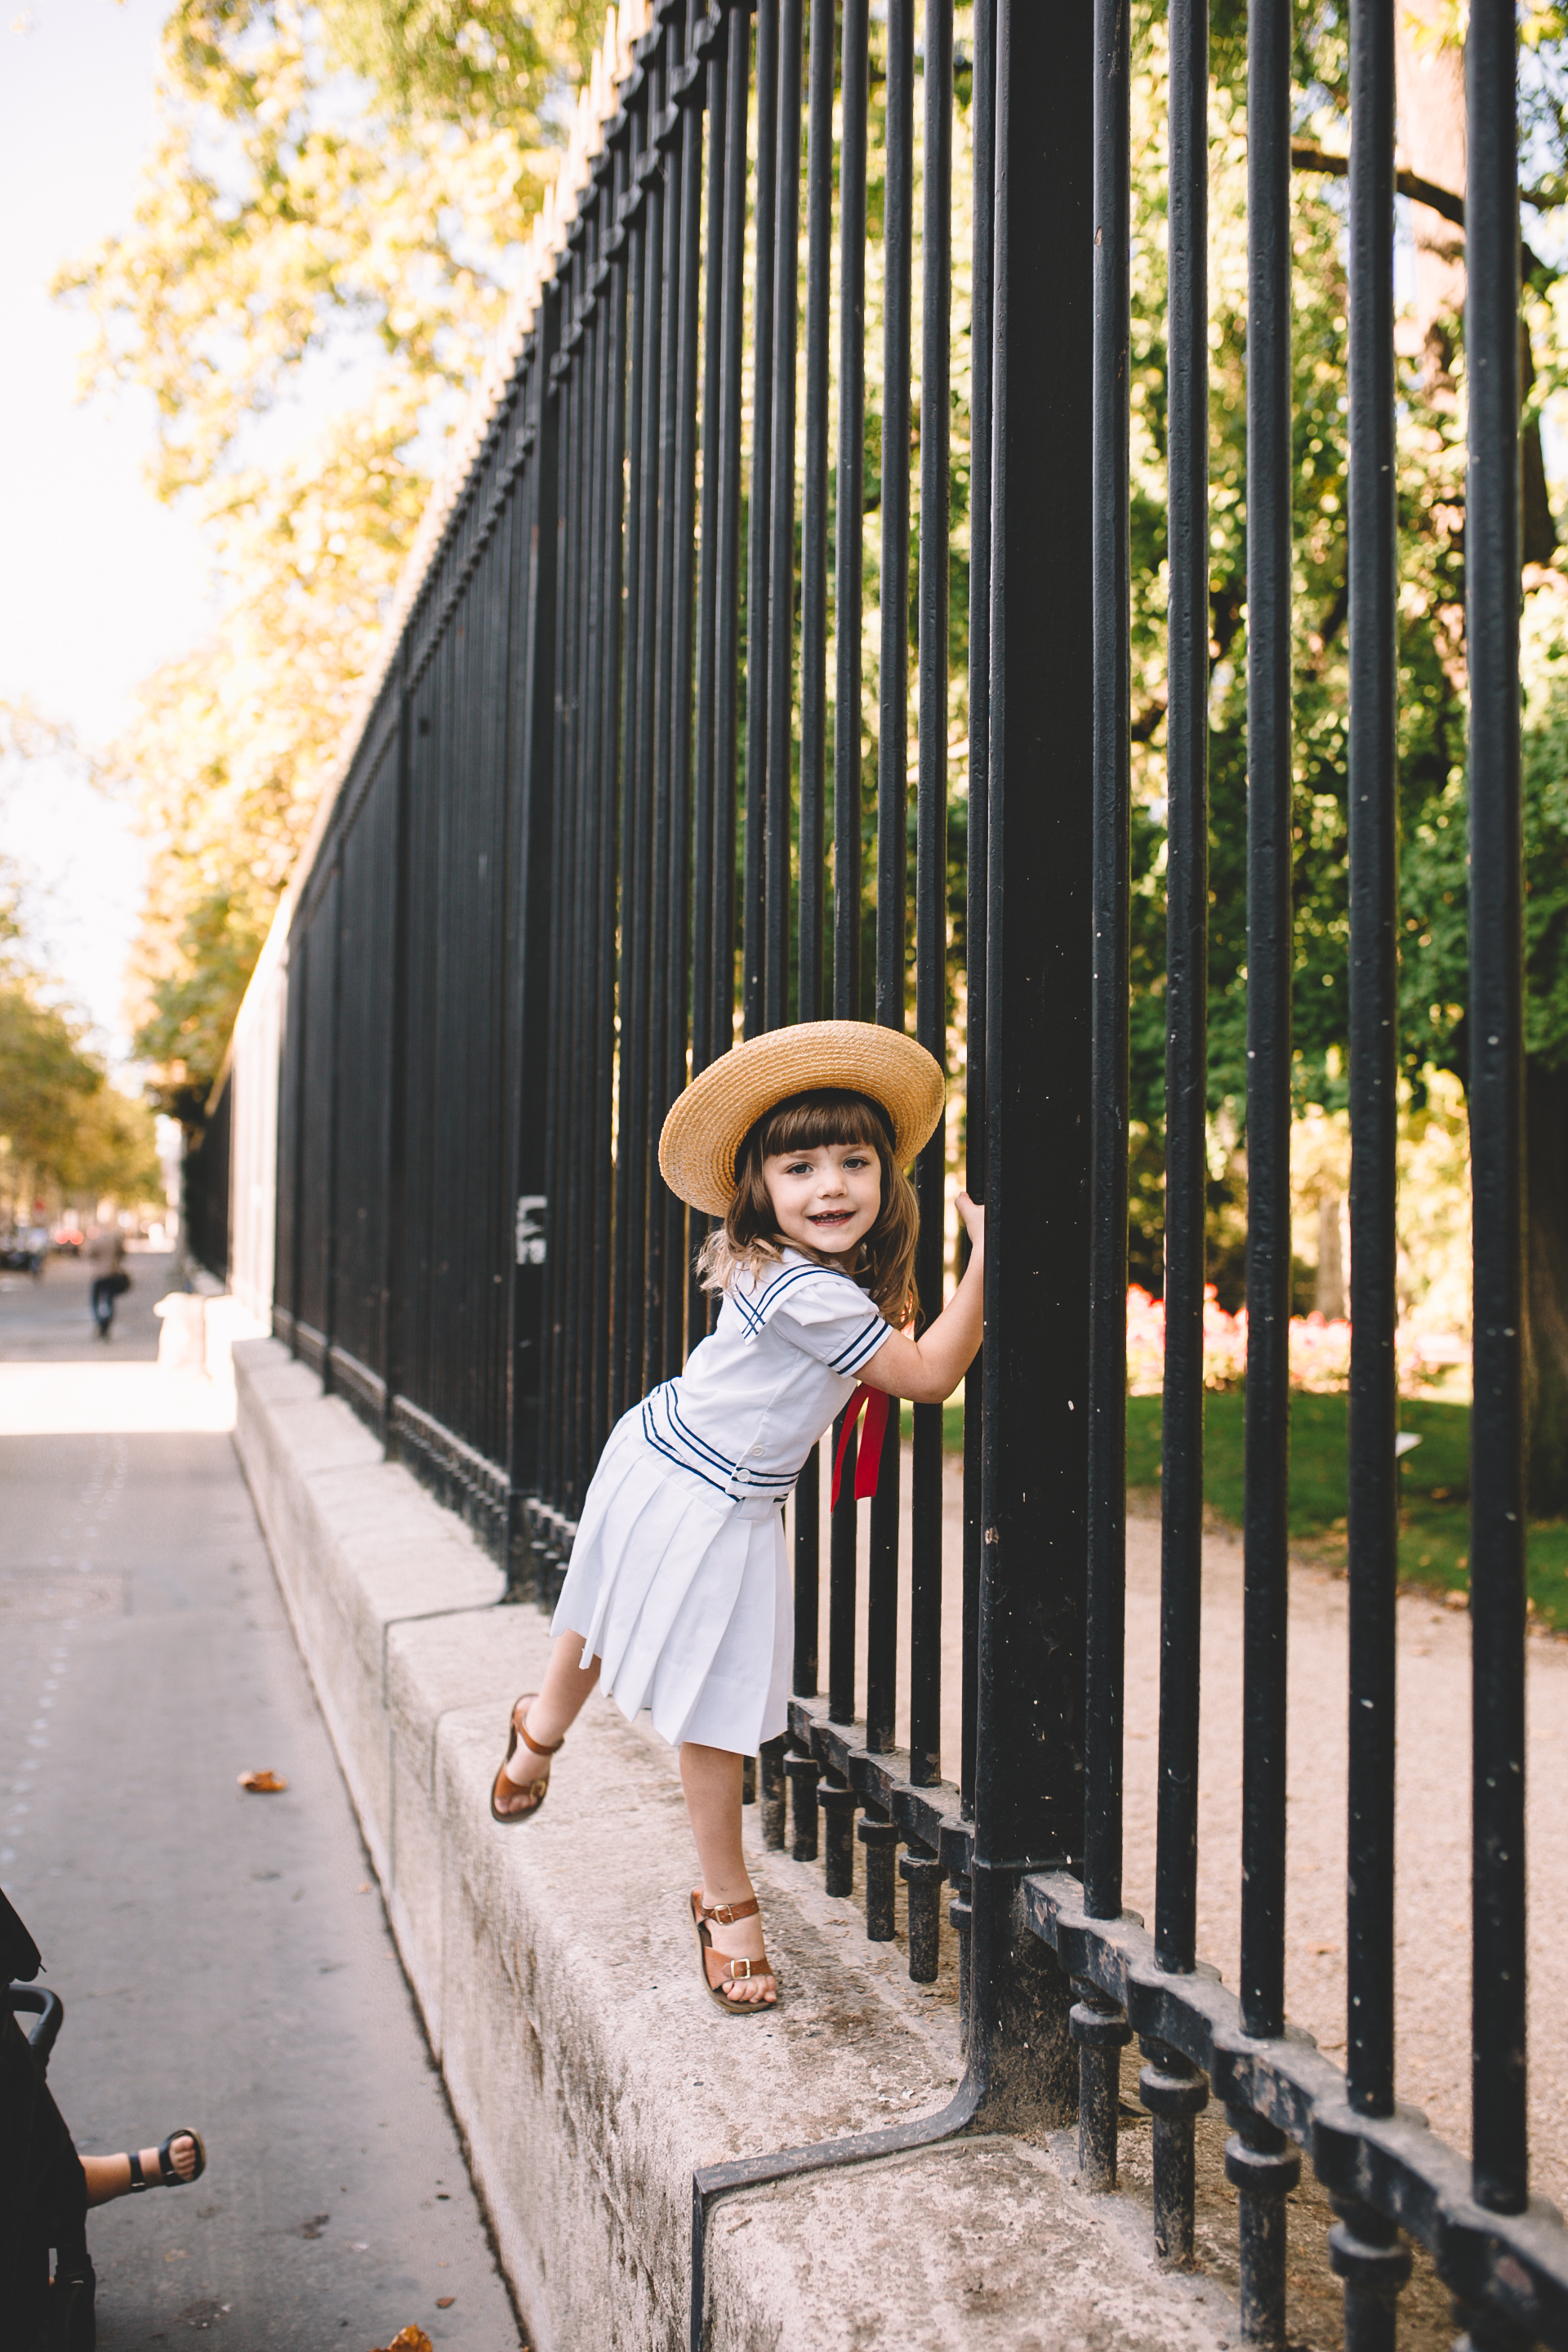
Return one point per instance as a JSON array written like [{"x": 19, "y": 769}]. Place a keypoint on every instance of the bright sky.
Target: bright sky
[{"x": 98, "y": 582}]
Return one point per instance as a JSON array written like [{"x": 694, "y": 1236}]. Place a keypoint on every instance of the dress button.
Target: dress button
[{"x": 757, "y": 1451}]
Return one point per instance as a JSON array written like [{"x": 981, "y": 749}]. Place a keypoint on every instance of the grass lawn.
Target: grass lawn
[{"x": 1435, "y": 1536}]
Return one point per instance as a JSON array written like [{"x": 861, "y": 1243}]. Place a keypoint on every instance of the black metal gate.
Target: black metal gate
[{"x": 588, "y": 836}]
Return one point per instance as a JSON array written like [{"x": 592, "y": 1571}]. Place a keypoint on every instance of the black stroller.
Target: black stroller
[{"x": 43, "y": 2191}]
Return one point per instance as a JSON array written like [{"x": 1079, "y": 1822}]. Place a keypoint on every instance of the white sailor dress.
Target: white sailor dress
[{"x": 678, "y": 1577}]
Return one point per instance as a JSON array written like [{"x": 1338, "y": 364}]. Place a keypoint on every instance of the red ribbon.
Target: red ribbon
[{"x": 869, "y": 1462}]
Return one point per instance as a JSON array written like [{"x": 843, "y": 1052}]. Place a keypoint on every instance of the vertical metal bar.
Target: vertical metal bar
[
  {"x": 841, "y": 1584},
  {"x": 573, "y": 1238},
  {"x": 1098, "y": 2024},
  {"x": 705, "y": 749},
  {"x": 1258, "y": 2160},
  {"x": 625, "y": 1353},
  {"x": 576, "y": 1239},
  {"x": 651, "y": 766},
  {"x": 1497, "y": 1485},
  {"x": 1110, "y": 589},
  {"x": 677, "y": 987},
  {"x": 1028, "y": 1794},
  {"x": 807, "y": 1576},
  {"x": 397, "y": 1057},
  {"x": 558, "y": 1187},
  {"x": 1269, "y": 956},
  {"x": 537, "y": 826},
  {"x": 837, "y": 1800},
  {"x": 731, "y": 394},
  {"x": 636, "y": 1007},
  {"x": 814, "y": 725},
  {"x": 710, "y": 623},
  {"x": 892, "y": 761},
  {"x": 1175, "y": 2093},
  {"x": 814, "y": 509},
  {"x": 552, "y": 1442},
  {"x": 754, "y": 911},
  {"x": 606, "y": 785},
  {"x": 1263, "y": 2169},
  {"x": 983, "y": 147},
  {"x": 778, "y": 796},
  {"x": 850, "y": 517},
  {"x": 1186, "y": 991},
  {"x": 1373, "y": 1070},
  {"x": 567, "y": 943},
  {"x": 1172, "y": 2089},
  {"x": 931, "y": 873},
  {"x": 892, "y": 750},
  {"x": 662, "y": 843}
]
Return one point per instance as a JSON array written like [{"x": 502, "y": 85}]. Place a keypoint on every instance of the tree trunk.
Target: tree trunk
[
  {"x": 1430, "y": 71},
  {"x": 1328, "y": 1297},
  {"x": 1429, "y": 65},
  {"x": 1546, "y": 1287}
]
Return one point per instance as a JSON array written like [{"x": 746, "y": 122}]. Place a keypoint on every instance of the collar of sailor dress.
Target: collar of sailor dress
[{"x": 869, "y": 1462}]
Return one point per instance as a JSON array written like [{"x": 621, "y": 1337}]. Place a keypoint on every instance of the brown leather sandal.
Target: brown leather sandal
[
  {"x": 730, "y": 1971},
  {"x": 534, "y": 1789}
]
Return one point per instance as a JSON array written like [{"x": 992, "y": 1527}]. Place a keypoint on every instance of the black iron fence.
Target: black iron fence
[
  {"x": 209, "y": 1184},
  {"x": 592, "y": 831}
]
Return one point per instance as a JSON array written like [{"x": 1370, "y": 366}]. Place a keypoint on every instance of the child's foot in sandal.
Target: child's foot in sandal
[
  {"x": 524, "y": 1776},
  {"x": 182, "y": 2159},
  {"x": 734, "y": 1959}
]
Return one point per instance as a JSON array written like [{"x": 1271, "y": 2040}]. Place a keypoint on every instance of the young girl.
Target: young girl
[{"x": 677, "y": 1594}]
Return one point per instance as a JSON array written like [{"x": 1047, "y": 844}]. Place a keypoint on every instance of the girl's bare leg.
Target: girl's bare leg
[
  {"x": 712, "y": 1779},
  {"x": 550, "y": 1716}
]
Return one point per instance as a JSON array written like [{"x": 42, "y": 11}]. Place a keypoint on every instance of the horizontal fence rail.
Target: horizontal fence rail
[{"x": 808, "y": 494}]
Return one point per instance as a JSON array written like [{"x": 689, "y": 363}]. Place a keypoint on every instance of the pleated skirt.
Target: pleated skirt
[{"x": 684, "y": 1594}]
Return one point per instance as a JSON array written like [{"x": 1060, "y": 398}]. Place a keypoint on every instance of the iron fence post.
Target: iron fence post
[{"x": 1029, "y": 1763}]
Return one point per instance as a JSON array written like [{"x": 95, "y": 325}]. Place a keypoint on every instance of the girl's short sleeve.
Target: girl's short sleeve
[{"x": 825, "y": 1316}]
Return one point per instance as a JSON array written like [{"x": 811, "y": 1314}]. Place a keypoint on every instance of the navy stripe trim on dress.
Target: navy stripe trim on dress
[
  {"x": 680, "y": 1428},
  {"x": 758, "y": 1311},
  {"x": 671, "y": 1455},
  {"x": 683, "y": 1429},
  {"x": 682, "y": 1447},
  {"x": 860, "y": 1350}
]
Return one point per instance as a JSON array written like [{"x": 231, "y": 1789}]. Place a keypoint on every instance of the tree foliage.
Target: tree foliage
[
  {"x": 354, "y": 181},
  {"x": 337, "y": 192},
  {"x": 62, "y": 1125}
]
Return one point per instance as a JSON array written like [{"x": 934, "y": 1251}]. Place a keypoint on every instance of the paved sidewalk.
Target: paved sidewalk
[{"x": 223, "y": 1959}]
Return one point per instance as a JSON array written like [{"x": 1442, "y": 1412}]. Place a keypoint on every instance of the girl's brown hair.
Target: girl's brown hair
[{"x": 749, "y": 1239}]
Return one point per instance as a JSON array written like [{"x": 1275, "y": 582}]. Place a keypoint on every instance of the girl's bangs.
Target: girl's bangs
[{"x": 827, "y": 1115}]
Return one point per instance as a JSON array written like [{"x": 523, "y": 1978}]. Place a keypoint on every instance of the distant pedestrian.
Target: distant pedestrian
[
  {"x": 105, "y": 1255},
  {"x": 678, "y": 1586}
]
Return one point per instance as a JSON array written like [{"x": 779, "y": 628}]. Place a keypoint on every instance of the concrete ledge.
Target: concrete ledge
[{"x": 555, "y": 1968}]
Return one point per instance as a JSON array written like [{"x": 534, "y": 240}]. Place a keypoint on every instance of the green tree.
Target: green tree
[
  {"x": 348, "y": 184},
  {"x": 61, "y": 1123},
  {"x": 1431, "y": 642}
]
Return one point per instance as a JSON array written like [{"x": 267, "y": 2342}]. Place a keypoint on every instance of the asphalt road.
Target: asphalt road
[{"x": 223, "y": 1958}]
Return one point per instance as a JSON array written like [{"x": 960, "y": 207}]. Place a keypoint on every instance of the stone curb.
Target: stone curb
[{"x": 554, "y": 1967}]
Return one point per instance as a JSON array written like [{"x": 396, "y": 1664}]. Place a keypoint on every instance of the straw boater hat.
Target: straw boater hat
[{"x": 711, "y": 1119}]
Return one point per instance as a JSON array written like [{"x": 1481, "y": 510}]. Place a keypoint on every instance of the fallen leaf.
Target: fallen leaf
[
  {"x": 409, "y": 2339},
  {"x": 264, "y": 1784},
  {"x": 445, "y": 2302}
]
